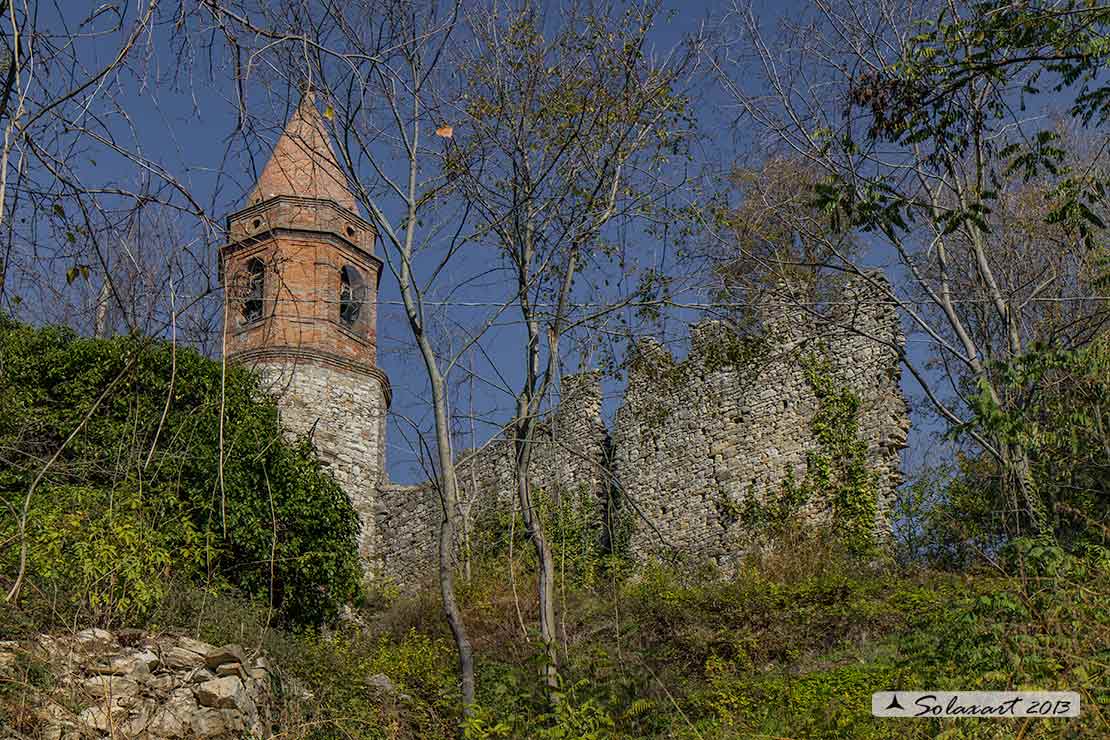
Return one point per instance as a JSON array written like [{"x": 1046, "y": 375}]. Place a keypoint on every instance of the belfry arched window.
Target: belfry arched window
[
  {"x": 254, "y": 284},
  {"x": 352, "y": 294}
]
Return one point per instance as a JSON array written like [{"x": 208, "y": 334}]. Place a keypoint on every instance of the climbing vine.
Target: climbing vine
[{"x": 836, "y": 469}]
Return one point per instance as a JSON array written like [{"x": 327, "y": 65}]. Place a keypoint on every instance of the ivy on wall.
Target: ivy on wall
[
  {"x": 837, "y": 481},
  {"x": 838, "y": 466},
  {"x": 836, "y": 470}
]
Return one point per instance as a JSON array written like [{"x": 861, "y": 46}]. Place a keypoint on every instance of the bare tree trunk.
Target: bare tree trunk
[
  {"x": 447, "y": 544},
  {"x": 100, "y": 323},
  {"x": 448, "y": 484},
  {"x": 533, "y": 526},
  {"x": 1019, "y": 479}
]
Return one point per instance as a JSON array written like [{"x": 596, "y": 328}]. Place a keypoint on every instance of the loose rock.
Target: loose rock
[
  {"x": 222, "y": 693},
  {"x": 142, "y": 686},
  {"x": 226, "y": 654}
]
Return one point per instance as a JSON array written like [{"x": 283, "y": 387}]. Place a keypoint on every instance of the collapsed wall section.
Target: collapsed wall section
[
  {"x": 568, "y": 466},
  {"x": 568, "y": 456},
  {"x": 569, "y": 463}
]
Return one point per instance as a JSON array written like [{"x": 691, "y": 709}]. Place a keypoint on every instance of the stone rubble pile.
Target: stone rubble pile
[{"x": 130, "y": 684}]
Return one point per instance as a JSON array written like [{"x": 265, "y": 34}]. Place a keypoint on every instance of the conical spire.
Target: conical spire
[{"x": 303, "y": 163}]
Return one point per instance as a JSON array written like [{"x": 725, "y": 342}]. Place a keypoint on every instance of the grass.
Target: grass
[{"x": 791, "y": 646}]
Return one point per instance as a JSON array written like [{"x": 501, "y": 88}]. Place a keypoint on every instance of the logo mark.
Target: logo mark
[{"x": 984, "y": 704}]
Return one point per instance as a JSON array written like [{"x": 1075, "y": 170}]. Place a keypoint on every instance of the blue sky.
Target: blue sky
[{"x": 185, "y": 120}]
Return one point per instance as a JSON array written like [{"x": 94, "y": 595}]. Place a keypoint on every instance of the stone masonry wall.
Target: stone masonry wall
[
  {"x": 407, "y": 525},
  {"x": 867, "y": 344},
  {"x": 693, "y": 440},
  {"x": 569, "y": 459},
  {"x": 732, "y": 420},
  {"x": 345, "y": 413},
  {"x": 569, "y": 456}
]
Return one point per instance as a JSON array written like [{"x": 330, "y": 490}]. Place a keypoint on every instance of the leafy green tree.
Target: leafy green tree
[
  {"x": 110, "y": 473},
  {"x": 1056, "y": 412}
]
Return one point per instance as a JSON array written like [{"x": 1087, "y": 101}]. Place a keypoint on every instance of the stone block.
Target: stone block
[
  {"x": 221, "y": 693},
  {"x": 225, "y": 654}
]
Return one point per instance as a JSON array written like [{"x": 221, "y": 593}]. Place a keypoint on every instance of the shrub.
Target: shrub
[
  {"x": 137, "y": 496},
  {"x": 1054, "y": 416}
]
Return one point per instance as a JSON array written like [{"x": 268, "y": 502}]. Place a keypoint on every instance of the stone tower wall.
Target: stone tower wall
[
  {"x": 301, "y": 280},
  {"x": 344, "y": 411}
]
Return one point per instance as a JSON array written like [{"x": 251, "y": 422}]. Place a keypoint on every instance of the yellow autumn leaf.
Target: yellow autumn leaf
[{"x": 329, "y": 113}]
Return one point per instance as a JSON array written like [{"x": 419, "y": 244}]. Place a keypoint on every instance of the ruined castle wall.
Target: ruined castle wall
[
  {"x": 345, "y": 414},
  {"x": 407, "y": 527},
  {"x": 693, "y": 438},
  {"x": 569, "y": 459},
  {"x": 866, "y": 345},
  {"x": 697, "y": 437}
]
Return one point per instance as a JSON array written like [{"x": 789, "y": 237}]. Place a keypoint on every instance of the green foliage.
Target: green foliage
[
  {"x": 572, "y": 529},
  {"x": 792, "y": 645},
  {"x": 794, "y": 648},
  {"x": 112, "y": 547},
  {"x": 336, "y": 670},
  {"x": 1054, "y": 415},
  {"x": 838, "y": 468},
  {"x": 136, "y": 498},
  {"x": 798, "y": 652},
  {"x": 572, "y": 526},
  {"x": 569, "y": 720},
  {"x": 957, "y": 84},
  {"x": 730, "y": 351},
  {"x": 942, "y": 518}
]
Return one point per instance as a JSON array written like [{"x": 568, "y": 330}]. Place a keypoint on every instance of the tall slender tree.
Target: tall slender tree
[{"x": 570, "y": 127}]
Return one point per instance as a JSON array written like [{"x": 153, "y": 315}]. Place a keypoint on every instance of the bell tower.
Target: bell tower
[{"x": 301, "y": 284}]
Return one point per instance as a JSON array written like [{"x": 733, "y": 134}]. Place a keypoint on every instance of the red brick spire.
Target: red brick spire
[{"x": 303, "y": 163}]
